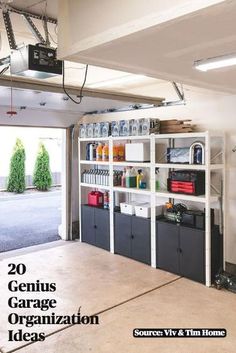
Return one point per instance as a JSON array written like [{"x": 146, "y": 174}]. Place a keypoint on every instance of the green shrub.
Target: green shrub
[
  {"x": 42, "y": 178},
  {"x": 16, "y": 179}
]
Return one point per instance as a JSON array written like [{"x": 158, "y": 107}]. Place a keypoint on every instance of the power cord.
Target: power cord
[{"x": 81, "y": 89}]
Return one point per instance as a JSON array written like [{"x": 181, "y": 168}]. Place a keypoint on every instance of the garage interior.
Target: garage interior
[{"x": 131, "y": 71}]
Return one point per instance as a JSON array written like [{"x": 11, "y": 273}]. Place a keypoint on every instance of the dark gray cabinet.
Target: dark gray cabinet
[
  {"x": 141, "y": 240},
  {"x": 167, "y": 246},
  {"x": 181, "y": 250},
  {"x": 88, "y": 225},
  {"x": 192, "y": 253},
  {"x": 133, "y": 237},
  {"x": 123, "y": 232},
  {"x": 95, "y": 226}
]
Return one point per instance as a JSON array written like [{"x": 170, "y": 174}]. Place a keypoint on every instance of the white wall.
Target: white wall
[{"x": 210, "y": 111}]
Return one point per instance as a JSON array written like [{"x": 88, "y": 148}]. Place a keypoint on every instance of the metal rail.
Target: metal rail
[
  {"x": 34, "y": 30},
  {"x": 27, "y": 13},
  {"x": 9, "y": 29}
]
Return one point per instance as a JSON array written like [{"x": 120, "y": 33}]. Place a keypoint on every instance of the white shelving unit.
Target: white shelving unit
[{"x": 207, "y": 201}]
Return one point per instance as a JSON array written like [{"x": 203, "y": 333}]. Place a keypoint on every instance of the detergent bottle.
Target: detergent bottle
[
  {"x": 99, "y": 152},
  {"x": 105, "y": 153},
  {"x": 139, "y": 178}
]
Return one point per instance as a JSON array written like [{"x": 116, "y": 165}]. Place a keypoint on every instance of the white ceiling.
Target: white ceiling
[
  {"x": 74, "y": 71},
  {"x": 38, "y": 6},
  {"x": 168, "y": 51}
]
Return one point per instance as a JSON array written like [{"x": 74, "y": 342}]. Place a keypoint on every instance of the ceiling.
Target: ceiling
[
  {"x": 38, "y": 6},
  {"x": 97, "y": 76},
  {"x": 45, "y": 107},
  {"x": 167, "y": 51}
]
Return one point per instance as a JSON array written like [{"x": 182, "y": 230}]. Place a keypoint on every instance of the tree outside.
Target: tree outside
[
  {"x": 42, "y": 178},
  {"x": 16, "y": 179}
]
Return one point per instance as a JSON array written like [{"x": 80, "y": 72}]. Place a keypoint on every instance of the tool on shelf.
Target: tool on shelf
[{"x": 95, "y": 176}]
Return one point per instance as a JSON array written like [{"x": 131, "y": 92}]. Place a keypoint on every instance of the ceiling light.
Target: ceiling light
[
  {"x": 118, "y": 81},
  {"x": 215, "y": 63}
]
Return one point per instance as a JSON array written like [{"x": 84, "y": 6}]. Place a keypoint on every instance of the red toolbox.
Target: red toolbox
[
  {"x": 184, "y": 187},
  {"x": 95, "y": 198},
  {"x": 191, "y": 182}
]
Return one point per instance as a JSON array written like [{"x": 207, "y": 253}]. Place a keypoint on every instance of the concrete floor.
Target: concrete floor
[{"x": 127, "y": 294}]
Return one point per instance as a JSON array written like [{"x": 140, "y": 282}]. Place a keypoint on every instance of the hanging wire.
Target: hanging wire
[
  {"x": 11, "y": 112},
  {"x": 81, "y": 89}
]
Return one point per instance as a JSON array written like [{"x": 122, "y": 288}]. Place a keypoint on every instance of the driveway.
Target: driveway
[{"x": 30, "y": 219}]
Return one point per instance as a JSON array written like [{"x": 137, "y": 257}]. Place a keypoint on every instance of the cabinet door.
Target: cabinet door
[
  {"x": 88, "y": 230},
  {"x": 102, "y": 228},
  {"x": 123, "y": 234},
  {"x": 141, "y": 240},
  {"x": 192, "y": 255},
  {"x": 167, "y": 246}
]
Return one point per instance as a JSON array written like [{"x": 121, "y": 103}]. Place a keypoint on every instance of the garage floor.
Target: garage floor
[{"x": 126, "y": 294}]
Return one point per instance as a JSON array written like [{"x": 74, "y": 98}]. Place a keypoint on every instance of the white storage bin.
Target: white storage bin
[
  {"x": 144, "y": 210},
  {"x": 137, "y": 152},
  {"x": 128, "y": 207}
]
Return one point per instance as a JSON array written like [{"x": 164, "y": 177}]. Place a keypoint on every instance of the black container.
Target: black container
[{"x": 196, "y": 219}]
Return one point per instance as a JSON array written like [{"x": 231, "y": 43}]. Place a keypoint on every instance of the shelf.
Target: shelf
[
  {"x": 184, "y": 197},
  {"x": 210, "y": 200},
  {"x": 188, "y": 166},
  {"x": 180, "y": 166},
  {"x": 89, "y": 139},
  {"x": 132, "y": 190},
  {"x": 94, "y": 162},
  {"x": 157, "y": 136},
  {"x": 95, "y": 186},
  {"x": 181, "y": 135},
  {"x": 157, "y": 165},
  {"x": 139, "y": 137},
  {"x": 216, "y": 166},
  {"x": 132, "y": 164}
]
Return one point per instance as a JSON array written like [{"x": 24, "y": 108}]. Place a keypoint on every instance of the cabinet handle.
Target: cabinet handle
[
  {"x": 132, "y": 236},
  {"x": 95, "y": 227},
  {"x": 180, "y": 250}
]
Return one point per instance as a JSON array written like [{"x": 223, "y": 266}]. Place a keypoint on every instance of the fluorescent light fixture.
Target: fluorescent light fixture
[
  {"x": 118, "y": 81},
  {"x": 215, "y": 63}
]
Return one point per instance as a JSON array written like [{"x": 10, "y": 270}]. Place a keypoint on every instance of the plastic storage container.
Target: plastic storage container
[
  {"x": 144, "y": 210},
  {"x": 130, "y": 180},
  {"x": 128, "y": 207},
  {"x": 137, "y": 152}
]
